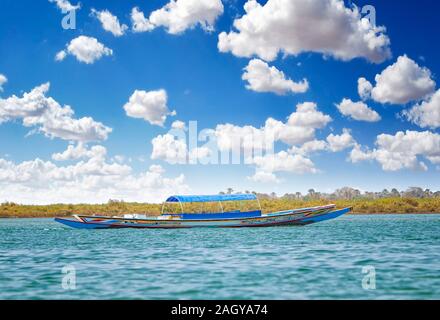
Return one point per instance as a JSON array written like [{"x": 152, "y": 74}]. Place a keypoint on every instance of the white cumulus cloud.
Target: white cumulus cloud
[
  {"x": 299, "y": 128},
  {"x": 402, "y": 150},
  {"x": 308, "y": 116},
  {"x": 169, "y": 148},
  {"x": 264, "y": 177},
  {"x": 110, "y": 22},
  {"x": 174, "y": 150},
  {"x": 95, "y": 180},
  {"x": 149, "y": 105},
  {"x": 262, "y": 78},
  {"x": 35, "y": 109},
  {"x": 84, "y": 49},
  {"x": 297, "y": 26},
  {"x": 74, "y": 152},
  {"x": 427, "y": 113},
  {"x": 340, "y": 142},
  {"x": 179, "y": 125},
  {"x": 284, "y": 162},
  {"x": 333, "y": 143},
  {"x": 403, "y": 82},
  {"x": 309, "y": 147},
  {"x": 364, "y": 88},
  {"x": 358, "y": 111},
  {"x": 179, "y": 15},
  {"x": 298, "y": 132},
  {"x": 139, "y": 22},
  {"x": 65, "y": 5},
  {"x": 61, "y": 55}
]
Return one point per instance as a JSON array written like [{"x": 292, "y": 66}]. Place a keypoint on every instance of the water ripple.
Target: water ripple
[{"x": 322, "y": 261}]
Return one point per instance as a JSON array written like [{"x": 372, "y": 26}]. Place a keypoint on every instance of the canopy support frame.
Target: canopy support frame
[
  {"x": 163, "y": 207},
  {"x": 239, "y": 197},
  {"x": 259, "y": 205},
  {"x": 221, "y": 206}
]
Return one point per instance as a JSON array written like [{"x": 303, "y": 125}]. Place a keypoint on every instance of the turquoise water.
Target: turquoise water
[{"x": 322, "y": 261}]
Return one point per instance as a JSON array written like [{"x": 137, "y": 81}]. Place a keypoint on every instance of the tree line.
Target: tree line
[
  {"x": 412, "y": 200},
  {"x": 347, "y": 193}
]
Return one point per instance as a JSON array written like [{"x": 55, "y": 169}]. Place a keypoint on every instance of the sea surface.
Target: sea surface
[{"x": 353, "y": 257}]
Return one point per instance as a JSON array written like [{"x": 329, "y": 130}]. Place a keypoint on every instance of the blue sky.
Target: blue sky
[{"x": 204, "y": 83}]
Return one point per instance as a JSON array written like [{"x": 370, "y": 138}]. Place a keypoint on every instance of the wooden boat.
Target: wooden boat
[{"x": 222, "y": 219}]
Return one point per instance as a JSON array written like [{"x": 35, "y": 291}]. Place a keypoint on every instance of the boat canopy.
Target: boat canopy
[{"x": 213, "y": 198}]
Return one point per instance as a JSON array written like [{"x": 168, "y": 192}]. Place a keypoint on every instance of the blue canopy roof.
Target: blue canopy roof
[{"x": 214, "y": 198}]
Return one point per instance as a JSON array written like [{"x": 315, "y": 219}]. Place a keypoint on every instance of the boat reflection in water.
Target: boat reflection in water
[{"x": 205, "y": 216}]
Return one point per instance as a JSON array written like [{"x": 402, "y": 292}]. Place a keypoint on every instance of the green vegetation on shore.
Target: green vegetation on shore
[{"x": 360, "y": 206}]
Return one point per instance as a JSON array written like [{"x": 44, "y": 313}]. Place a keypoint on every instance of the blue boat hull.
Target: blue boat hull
[{"x": 280, "y": 219}]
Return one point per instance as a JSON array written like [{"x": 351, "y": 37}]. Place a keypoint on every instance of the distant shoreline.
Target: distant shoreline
[{"x": 112, "y": 208}]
